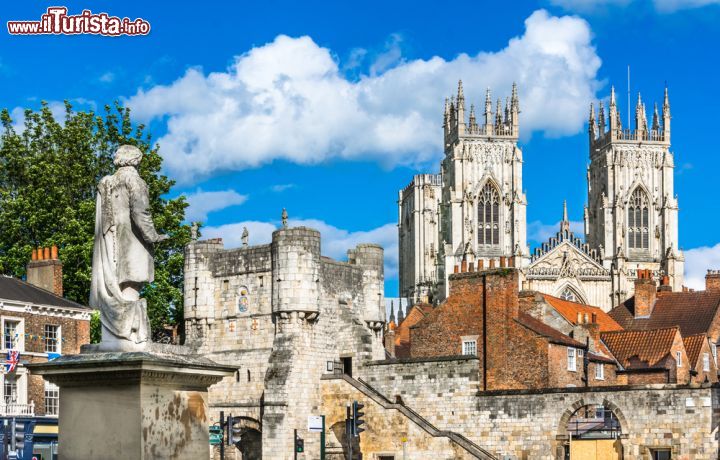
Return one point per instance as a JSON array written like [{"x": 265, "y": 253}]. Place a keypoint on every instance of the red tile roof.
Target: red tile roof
[
  {"x": 693, "y": 346},
  {"x": 569, "y": 311},
  {"x": 692, "y": 312},
  {"x": 640, "y": 349},
  {"x": 553, "y": 335}
]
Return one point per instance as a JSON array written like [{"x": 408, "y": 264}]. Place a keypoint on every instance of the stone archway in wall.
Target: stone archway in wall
[
  {"x": 591, "y": 429},
  {"x": 250, "y": 446}
]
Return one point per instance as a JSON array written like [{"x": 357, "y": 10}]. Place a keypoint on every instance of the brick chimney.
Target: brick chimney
[
  {"x": 712, "y": 280},
  {"x": 645, "y": 294},
  {"x": 45, "y": 270}
]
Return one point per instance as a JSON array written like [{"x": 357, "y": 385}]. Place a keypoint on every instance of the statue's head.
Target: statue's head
[{"x": 127, "y": 155}]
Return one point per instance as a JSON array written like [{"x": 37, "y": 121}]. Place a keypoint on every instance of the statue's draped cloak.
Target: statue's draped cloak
[{"x": 122, "y": 253}]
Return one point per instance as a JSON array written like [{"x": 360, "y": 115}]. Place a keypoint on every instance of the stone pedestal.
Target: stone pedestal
[{"x": 133, "y": 405}]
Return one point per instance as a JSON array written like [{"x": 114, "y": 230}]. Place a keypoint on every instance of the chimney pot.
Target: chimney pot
[
  {"x": 54, "y": 252},
  {"x": 457, "y": 269},
  {"x": 39, "y": 254},
  {"x": 471, "y": 267},
  {"x": 463, "y": 266},
  {"x": 492, "y": 263},
  {"x": 46, "y": 255},
  {"x": 34, "y": 254},
  {"x": 480, "y": 265},
  {"x": 712, "y": 280},
  {"x": 502, "y": 262},
  {"x": 511, "y": 262}
]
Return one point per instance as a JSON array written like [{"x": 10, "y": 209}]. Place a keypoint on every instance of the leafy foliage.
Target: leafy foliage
[{"x": 48, "y": 176}]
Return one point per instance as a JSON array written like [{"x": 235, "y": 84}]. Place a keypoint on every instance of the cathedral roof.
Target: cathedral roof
[
  {"x": 641, "y": 349},
  {"x": 692, "y": 312},
  {"x": 570, "y": 310},
  {"x": 587, "y": 262}
]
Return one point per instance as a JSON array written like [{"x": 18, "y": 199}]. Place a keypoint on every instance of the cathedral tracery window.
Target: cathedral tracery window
[
  {"x": 569, "y": 294},
  {"x": 638, "y": 206},
  {"x": 489, "y": 216}
]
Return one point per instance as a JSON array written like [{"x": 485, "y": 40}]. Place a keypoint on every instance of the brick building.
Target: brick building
[
  {"x": 485, "y": 315},
  {"x": 40, "y": 324}
]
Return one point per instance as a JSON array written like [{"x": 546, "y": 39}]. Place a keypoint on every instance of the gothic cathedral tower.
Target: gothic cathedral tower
[
  {"x": 632, "y": 212},
  {"x": 482, "y": 210}
]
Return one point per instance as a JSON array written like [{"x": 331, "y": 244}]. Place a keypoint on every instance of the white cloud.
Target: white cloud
[
  {"x": 663, "y": 6},
  {"x": 334, "y": 241},
  {"x": 289, "y": 100},
  {"x": 697, "y": 262},
  {"x": 107, "y": 77},
  {"x": 540, "y": 233},
  {"x": 201, "y": 203},
  {"x": 282, "y": 187}
]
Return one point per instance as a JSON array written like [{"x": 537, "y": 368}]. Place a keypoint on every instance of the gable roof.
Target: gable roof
[
  {"x": 692, "y": 312},
  {"x": 640, "y": 349},
  {"x": 20, "y": 291},
  {"x": 693, "y": 347},
  {"x": 569, "y": 310},
  {"x": 402, "y": 331},
  {"x": 550, "y": 333}
]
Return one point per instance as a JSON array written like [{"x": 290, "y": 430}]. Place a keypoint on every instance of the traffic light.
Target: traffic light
[
  {"x": 357, "y": 418},
  {"x": 18, "y": 436},
  {"x": 299, "y": 445},
  {"x": 234, "y": 431}
]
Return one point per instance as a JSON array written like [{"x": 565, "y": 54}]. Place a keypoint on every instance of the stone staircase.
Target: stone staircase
[{"x": 458, "y": 439}]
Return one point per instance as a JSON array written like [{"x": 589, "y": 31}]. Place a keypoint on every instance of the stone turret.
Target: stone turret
[{"x": 296, "y": 267}]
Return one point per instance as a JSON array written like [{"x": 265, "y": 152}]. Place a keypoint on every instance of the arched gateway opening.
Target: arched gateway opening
[{"x": 591, "y": 432}]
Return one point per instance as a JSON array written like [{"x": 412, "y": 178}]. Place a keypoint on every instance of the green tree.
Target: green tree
[{"x": 48, "y": 176}]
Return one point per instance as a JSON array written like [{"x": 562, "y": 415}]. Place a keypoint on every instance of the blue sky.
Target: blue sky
[{"x": 329, "y": 108}]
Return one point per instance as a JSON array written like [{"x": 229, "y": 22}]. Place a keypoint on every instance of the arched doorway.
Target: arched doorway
[{"x": 592, "y": 432}]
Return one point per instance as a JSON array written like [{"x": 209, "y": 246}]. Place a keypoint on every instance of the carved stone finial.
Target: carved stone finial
[
  {"x": 284, "y": 218},
  {"x": 245, "y": 235},
  {"x": 194, "y": 231}
]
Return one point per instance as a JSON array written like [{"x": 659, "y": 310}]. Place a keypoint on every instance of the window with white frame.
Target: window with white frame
[
  {"x": 599, "y": 371},
  {"x": 52, "y": 399},
  {"x": 678, "y": 358},
  {"x": 10, "y": 389},
  {"x": 571, "y": 359},
  {"x": 13, "y": 334},
  {"x": 52, "y": 338},
  {"x": 706, "y": 362},
  {"x": 469, "y": 347}
]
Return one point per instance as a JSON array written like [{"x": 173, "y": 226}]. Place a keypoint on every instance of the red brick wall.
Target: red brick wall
[
  {"x": 642, "y": 378},
  {"x": 516, "y": 357},
  {"x": 712, "y": 282},
  {"x": 645, "y": 294},
  {"x": 74, "y": 333},
  {"x": 559, "y": 375},
  {"x": 440, "y": 332},
  {"x": 701, "y": 374}
]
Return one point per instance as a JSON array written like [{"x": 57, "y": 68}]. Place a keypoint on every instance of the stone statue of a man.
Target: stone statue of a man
[{"x": 123, "y": 254}]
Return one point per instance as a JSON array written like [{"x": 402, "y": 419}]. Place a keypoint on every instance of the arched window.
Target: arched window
[
  {"x": 638, "y": 236},
  {"x": 489, "y": 216},
  {"x": 569, "y": 294}
]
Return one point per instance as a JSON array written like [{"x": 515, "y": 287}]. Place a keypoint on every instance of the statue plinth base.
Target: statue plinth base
[{"x": 140, "y": 405}]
